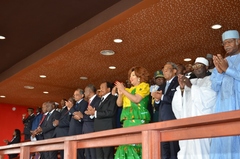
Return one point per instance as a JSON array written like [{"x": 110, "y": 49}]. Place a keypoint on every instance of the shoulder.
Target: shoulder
[
  {"x": 56, "y": 112},
  {"x": 83, "y": 102},
  {"x": 39, "y": 115},
  {"x": 96, "y": 100},
  {"x": 143, "y": 85},
  {"x": 143, "y": 88},
  {"x": 111, "y": 97},
  {"x": 175, "y": 80},
  {"x": 207, "y": 79}
]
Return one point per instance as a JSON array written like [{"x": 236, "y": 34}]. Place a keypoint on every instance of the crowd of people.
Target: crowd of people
[{"x": 210, "y": 85}]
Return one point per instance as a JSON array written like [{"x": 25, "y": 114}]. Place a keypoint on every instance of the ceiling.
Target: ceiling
[{"x": 63, "y": 40}]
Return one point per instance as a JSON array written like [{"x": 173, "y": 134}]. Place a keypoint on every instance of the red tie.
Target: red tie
[
  {"x": 42, "y": 120},
  {"x": 89, "y": 101}
]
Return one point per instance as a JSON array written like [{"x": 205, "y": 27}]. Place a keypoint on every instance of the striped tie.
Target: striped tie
[{"x": 102, "y": 99}]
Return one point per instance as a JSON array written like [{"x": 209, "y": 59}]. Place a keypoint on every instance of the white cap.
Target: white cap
[
  {"x": 201, "y": 60},
  {"x": 230, "y": 34}
]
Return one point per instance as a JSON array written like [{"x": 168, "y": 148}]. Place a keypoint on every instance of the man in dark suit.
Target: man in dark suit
[
  {"x": 28, "y": 124},
  {"x": 163, "y": 100},
  {"x": 47, "y": 127},
  {"x": 37, "y": 118},
  {"x": 88, "y": 125},
  {"x": 35, "y": 133},
  {"x": 76, "y": 124},
  {"x": 105, "y": 117},
  {"x": 62, "y": 125}
]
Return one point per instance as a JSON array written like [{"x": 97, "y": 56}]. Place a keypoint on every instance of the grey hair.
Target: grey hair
[
  {"x": 92, "y": 88},
  {"x": 80, "y": 91},
  {"x": 173, "y": 65}
]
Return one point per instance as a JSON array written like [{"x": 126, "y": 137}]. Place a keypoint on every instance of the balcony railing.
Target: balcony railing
[{"x": 149, "y": 135}]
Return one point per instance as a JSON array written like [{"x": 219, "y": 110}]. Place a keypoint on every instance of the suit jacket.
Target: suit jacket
[
  {"x": 14, "y": 141},
  {"x": 106, "y": 114},
  {"x": 88, "y": 125},
  {"x": 75, "y": 126},
  {"x": 165, "y": 105},
  {"x": 36, "y": 121},
  {"x": 47, "y": 125},
  {"x": 63, "y": 127},
  {"x": 28, "y": 124}
]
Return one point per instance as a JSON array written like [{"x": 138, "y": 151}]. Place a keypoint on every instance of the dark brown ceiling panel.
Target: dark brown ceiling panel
[{"x": 153, "y": 32}]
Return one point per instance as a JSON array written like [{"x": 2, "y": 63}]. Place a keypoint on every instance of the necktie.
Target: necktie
[
  {"x": 102, "y": 99},
  {"x": 166, "y": 87},
  {"x": 76, "y": 106},
  {"x": 89, "y": 101},
  {"x": 49, "y": 114},
  {"x": 42, "y": 120}
]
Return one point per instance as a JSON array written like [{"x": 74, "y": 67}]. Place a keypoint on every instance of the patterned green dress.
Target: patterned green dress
[{"x": 132, "y": 115}]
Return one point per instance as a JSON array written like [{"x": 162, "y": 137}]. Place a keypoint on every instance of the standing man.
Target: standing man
[
  {"x": 28, "y": 124},
  {"x": 37, "y": 118},
  {"x": 35, "y": 134},
  {"x": 194, "y": 98},
  {"x": 47, "y": 128},
  {"x": 226, "y": 82},
  {"x": 159, "y": 81},
  {"x": 62, "y": 125},
  {"x": 105, "y": 117},
  {"x": 36, "y": 122},
  {"x": 163, "y": 100},
  {"x": 76, "y": 124},
  {"x": 88, "y": 122}
]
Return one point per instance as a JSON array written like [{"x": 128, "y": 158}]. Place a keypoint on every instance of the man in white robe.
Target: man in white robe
[
  {"x": 226, "y": 82},
  {"x": 194, "y": 97}
]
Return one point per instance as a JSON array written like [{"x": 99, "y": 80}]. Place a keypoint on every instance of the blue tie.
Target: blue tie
[
  {"x": 48, "y": 115},
  {"x": 76, "y": 106},
  {"x": 166, "y": 87}
]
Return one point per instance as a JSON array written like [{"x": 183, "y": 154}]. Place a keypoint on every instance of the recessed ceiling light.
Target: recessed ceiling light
[
  {"x": 83, "y": 78},
  {"x": 117, "y": 40},
  {"x": 187, "y": 59},
  {"x": 2, "y": 37},
  {"x": 107, "y": 52},
  {"x": 29, "y": 87},
  {"x": 42, "y": 76},
  {"x": 2, "y": 96},
  {"x": 45, "y": 92},
  {"x": 112, "y": 67},
  {"x": 216, "y": 26}
]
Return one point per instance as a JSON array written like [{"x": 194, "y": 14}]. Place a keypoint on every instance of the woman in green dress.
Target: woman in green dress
[{"x": 135, "y": 102}]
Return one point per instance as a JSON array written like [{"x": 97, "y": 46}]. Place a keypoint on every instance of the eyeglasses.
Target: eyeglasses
[
  {"x": 197, "y": 66},
  {"x": 228, "y": 41}
]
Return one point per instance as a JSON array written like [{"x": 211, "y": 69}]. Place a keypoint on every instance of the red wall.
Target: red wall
[{"x": 10, "y": 120}]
